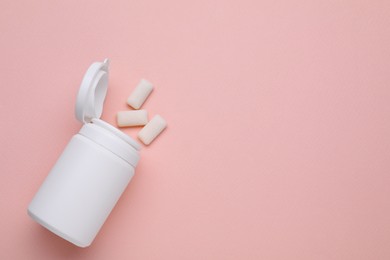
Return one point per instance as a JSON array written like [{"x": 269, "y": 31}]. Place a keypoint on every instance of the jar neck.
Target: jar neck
[
  {"x": 107, "y": 138},
  {"x": 117, "y": 132}
]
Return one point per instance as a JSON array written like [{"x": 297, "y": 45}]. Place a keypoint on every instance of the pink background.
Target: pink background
[{"x": 278, "y": 144}]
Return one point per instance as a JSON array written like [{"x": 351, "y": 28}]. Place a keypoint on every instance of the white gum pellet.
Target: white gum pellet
[
  {"x": 152, "y": 129},
  {"x": 140, "y": 94},
  {"x": 132, "y": 118}
]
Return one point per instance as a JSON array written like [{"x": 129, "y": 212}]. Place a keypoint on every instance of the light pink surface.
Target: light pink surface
[{"x": 278, "y": 144}]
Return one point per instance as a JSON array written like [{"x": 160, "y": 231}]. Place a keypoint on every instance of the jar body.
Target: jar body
[{"x": 80, "y": 191}]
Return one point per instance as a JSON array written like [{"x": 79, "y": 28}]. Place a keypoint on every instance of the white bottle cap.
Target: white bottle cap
[{"x": 92, "y": 93}]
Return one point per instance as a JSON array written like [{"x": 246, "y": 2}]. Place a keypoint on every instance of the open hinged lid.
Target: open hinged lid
[{"x": 92, "y": 93}]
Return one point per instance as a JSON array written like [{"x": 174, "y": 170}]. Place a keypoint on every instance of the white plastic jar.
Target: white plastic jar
[{"x": 92, "y": 172}]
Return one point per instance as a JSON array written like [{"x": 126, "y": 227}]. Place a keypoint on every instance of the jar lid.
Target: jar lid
[{"x": 92, "y": 92}]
